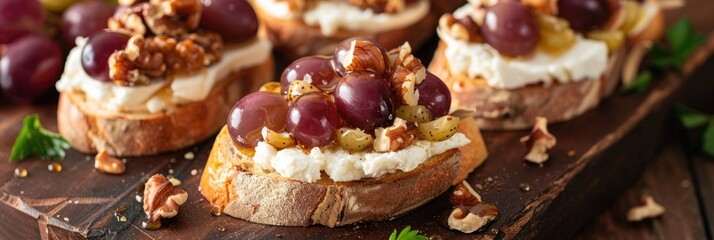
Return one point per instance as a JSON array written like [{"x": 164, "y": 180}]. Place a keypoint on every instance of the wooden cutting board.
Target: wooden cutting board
[{"x": 598, "y": 155}]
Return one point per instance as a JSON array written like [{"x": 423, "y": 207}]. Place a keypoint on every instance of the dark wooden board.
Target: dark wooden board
[{"x": 612, "y": 144}]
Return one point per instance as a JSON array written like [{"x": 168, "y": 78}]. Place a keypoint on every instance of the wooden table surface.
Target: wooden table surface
[{"x": 80, "y": 202}]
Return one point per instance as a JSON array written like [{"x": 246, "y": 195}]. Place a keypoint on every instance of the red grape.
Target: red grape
[
  {"x": 235, "y": 20},
  {"x": 313, "y": 120},
  {"x": 434, "y": 95},
  {"x": 84, "y": 19},
  {"x": 29, "y": 67},
  {"x": 322, "y": 75},
  {"x": 510, "y": 28},
  {"x": 20, "y": 17},
  {"x": 364, "y": 100},
  {"x": 584, "y": 15},
  {"x": 253, "y": 112},
  {"x": 95, "y": 55},
  {"x": 344, "y": 46}
]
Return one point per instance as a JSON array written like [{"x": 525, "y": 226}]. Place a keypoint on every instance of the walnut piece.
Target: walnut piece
[
  {"x": 407, "y": 74},
  {"x": 363, "y": 55},
  {"x": 549, "y": 7},
  {"x": 648, "y": 209},
  {"x": 108, "y": 164},
  {"x": 470, "y": 214},
  {"x": 162, "y": 199},
  {"x": 379, "y": 6},
  {"x": 128, "y": 21},
  {"x": 172, "y": 17},
  {"x": 393, "y": 138},
  {"x": 539, "y": 141},
  {"x": 464, "y": 28}
]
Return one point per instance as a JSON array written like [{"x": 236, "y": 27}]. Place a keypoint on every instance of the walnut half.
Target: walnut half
[
  {"x": 393, "y": 138},
  {"x": 470, "y": 214},
  {"x": 539, "y": 141},
  {"x": 162, "y": 199}
]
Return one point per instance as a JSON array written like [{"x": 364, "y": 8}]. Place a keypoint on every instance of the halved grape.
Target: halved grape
[
  {"x": 439, "y": 129},
  {"x": 584, "y": 15},
  {"x": 95, "y": 55},
  {"x": 418, "y": 113},
  {"x": 18, "y": 18},
  {"x": 316, "y": 70},
  {"x": 253, "y": 112},
  {"x": 364, "y": 100},
  {"x": 234, "y": 20},
  {"x": 435, "y": 95},
  {"x": 353, "y": 139},
  {"x": 298, "y": 88},
  {"x": 556, "y": 35},
  {"x": 29, "y": 67},
  {"x": 344, "y": 47},
  {"x": 278, "y": 140},
  {"x": 613, "y": 38},
  {"x": 510, "y": 28},
  {"x": 313, "y": 120},
  {"x": 84, "y": 19},
  {"x": 271, "y": 87}
]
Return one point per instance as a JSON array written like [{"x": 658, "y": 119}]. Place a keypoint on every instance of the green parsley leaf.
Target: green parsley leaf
[
  {"x": 407, "y": 234},
  {"x": 691, "y": 118},
  {"x": 640, "y": 84},
  {"x": 708, "y": 139},
  {"x": 34, "y": 140},
  {"x": 683, "y": 41}
]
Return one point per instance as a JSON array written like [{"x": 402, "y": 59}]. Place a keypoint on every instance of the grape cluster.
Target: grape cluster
[{"x": 324, "y": 101}]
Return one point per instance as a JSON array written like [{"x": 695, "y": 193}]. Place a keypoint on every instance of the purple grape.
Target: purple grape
[
  {"x": 253, "y": 112},
  {"x": 235, "y": 20},
  {"x": 319, "y": 68},
  {"x": 344, "y": 46},
  {"x": 313, "y": 120},
  {"x": 510, "y": 28},
  {"x": 95, "y": 55},
  {"x": 84, "y": 19},
  {"x": 584, "y": 15},
  {"x": 29, "y": 67},
  {"x": 364, "y": 100},
  {"x": 434, "y": 95},
  {"x": 20, "y": 17}
]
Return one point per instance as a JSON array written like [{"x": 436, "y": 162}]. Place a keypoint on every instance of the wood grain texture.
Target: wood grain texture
[{"x": 624, "y": 132}]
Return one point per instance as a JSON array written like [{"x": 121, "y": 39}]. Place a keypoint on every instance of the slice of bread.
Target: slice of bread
[
  {"x": 517, "y": 108},
  {"x": 233, "y": 185},
  {"x": 294, "y": 39},
  {"x": 139, "y": 134}
]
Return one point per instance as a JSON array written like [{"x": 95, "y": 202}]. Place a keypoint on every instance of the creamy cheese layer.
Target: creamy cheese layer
[
  {"x": 585, "y": 60},
  {"x": 342, "y": 165},
  {"x": 160, "y": 94},
  {"x": 334, "y": 15}
]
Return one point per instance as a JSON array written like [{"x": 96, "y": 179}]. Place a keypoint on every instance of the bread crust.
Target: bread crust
[
  {"x": 230, "y": 183},
  {"x": 472, "y": 154},
  {"x": 499, "y": 109},
  {"x": 141, "y": 134},
  {"x": 294, "y": 39}
]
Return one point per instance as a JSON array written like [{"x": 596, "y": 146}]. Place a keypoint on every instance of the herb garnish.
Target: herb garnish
[
  {"x": 407, "y": 234},
  {"x": 682, "y": 41},
  {"x": 691, "y": 118},
  {"x": 34, "y": 140}
]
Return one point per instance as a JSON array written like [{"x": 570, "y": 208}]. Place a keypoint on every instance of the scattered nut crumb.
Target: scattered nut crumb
[
  {"x": 66, "y": 219},
  {"x": 648, "y": 209},
  {"x": 525, "y": 187},
  {"x": 571, "y": 153},
  {"x": 189, "y": 156},
  {"x": 539, "y": 141},
  {"x": 221, "y": 229},
  {"x": 138, "y": 198},
  {"x": 171, "y": 171},
  {"x": 172, "y": 160},
  {"x": 194, "y": 172}
]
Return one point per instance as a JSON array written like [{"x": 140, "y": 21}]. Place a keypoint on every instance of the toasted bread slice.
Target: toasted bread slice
[
  {"x": 140, "y": 134},
  {"x": 231, "y": 184},
  {"x": 294, "y": 39},
  {"x": 517, "y": 108}
]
